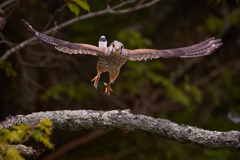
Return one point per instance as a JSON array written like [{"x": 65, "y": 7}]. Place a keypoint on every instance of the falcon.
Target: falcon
[{"x": 112, "y": 58}]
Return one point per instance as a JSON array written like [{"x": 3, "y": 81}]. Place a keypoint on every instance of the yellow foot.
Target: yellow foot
[
  {"x": 96, "y": 79},
  {"x": 108, "y": 89}
]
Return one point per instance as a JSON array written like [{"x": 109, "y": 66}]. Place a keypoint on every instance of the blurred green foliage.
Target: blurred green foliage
[
  {"x": 233, "y": 17},
  {"x": 168, "y": 24},
  {"x": 139, "y": 73},
  {"x": 214, "y": 23},
  {"x": 184, "y": 94},
  {"x": 72, "y": 91},
  {"x": 22, "y": 133},
  {"x": 230, "y": 89},
  {"x": 75, "y": 6},
  {"x": 7, "y": 67},
  {"x": 133, "y": 39}
]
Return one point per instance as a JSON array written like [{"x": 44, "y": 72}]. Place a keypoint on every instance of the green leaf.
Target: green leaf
[
  {"x": 46, "y": 122},
  {"x": 42, "y": 137},
  {"x": 13, "y": 154},
  {"x": 45, "y": 129},
  {"x": 82, "y": 4},
  {"x": 13, "y": 137},
  {"x": 214, "y": 23},
  {"x": 7, "y": 67},
  {"x": 74, "y": 8}
]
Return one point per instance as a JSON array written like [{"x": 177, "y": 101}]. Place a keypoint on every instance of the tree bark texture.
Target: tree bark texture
[
  {"x": 124, "y": 120},
  {"x": 23, "y": 150}
]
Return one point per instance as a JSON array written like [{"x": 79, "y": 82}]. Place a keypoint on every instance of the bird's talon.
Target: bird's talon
[
  {"x": 108, "y": 89},
  {"x": 95, "y": 79}
]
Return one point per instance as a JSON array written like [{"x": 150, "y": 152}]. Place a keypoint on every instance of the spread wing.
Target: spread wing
[
  {"x": 198, "y": 50},
  {"x": 67, "y": 47}
]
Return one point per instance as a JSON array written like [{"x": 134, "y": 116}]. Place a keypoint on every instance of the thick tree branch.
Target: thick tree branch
[
  {"x": 23, "y": 150},
  {"x": 123, "y": 119},
  {"x": 112, "y": 10}
]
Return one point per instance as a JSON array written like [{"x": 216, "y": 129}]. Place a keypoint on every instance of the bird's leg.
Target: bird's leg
[
  {"x": 112, "y": 76},
  {"x": 108, "y": 88},
  {"x": 99, "y": 72},
  {"x": 96, "y": 79}
]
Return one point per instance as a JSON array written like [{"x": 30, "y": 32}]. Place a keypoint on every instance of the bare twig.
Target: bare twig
[
  {"x": 71, "y": 21},
  {"x": 123, "y": 4},
  {"x": 123, "y": 119},
  {"x": 54, "y": 15},
  {"x": 41, "y": 65},
  {"x": 75, "y": 143},
  {"x": 52, "y": 55},
  {"x": 26, "y": 76},
  {"x": 216, "y": 72},
  {"x": 6, "y": 3}
]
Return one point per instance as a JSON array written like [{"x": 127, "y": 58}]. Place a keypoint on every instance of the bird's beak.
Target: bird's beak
[{"x": 117, "y": 48}]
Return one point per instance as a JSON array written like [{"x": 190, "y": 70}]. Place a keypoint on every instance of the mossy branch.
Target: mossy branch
[{"x": 124, "y": 120}]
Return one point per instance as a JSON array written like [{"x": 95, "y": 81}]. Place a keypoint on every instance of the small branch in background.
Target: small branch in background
[
  {"x": 52, "y": 55},
  {"x": 105, "y": 5},
  {"x": 55, "y": 14},
  {"x": 16, "y": 48},
  {"x": 2, "y": 19},
  {"x": 216, "y": 72},
  {"x": 122, "y": 4},
  {"x": 76, "y": 143},
  {"x": 23, "y": 150},
  {"x": 25, "y": 74},
  {"x": 124, "y": 120},
  {"x": 71, "y": 21},
  {"x": 29, "y": 79},
  {"x": 6, "y": 3}
]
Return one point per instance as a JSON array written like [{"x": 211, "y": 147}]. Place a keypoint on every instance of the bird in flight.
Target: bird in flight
[{"x": 112, "y": 58}]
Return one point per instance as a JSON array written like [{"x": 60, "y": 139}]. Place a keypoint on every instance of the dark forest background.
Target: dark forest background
[{"x": 202, "y": 92}]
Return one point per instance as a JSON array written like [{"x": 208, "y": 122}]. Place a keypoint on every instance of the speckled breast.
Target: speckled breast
[{"x": 112, "y": 62}]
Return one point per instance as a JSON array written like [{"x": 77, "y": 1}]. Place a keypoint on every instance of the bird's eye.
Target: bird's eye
[{"x": 113, "y": 45}]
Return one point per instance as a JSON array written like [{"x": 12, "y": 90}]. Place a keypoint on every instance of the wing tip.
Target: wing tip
[
  {"x": 213, "y": 44},
  {"x": 27, "y": 24},
  {"x": 216, "y": 43},
  {"x": 30, "y": 27},
  {"x": 23, "y": 21}
]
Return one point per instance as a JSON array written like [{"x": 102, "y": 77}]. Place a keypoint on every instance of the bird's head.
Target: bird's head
[{"x": 117, "y": 47}]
